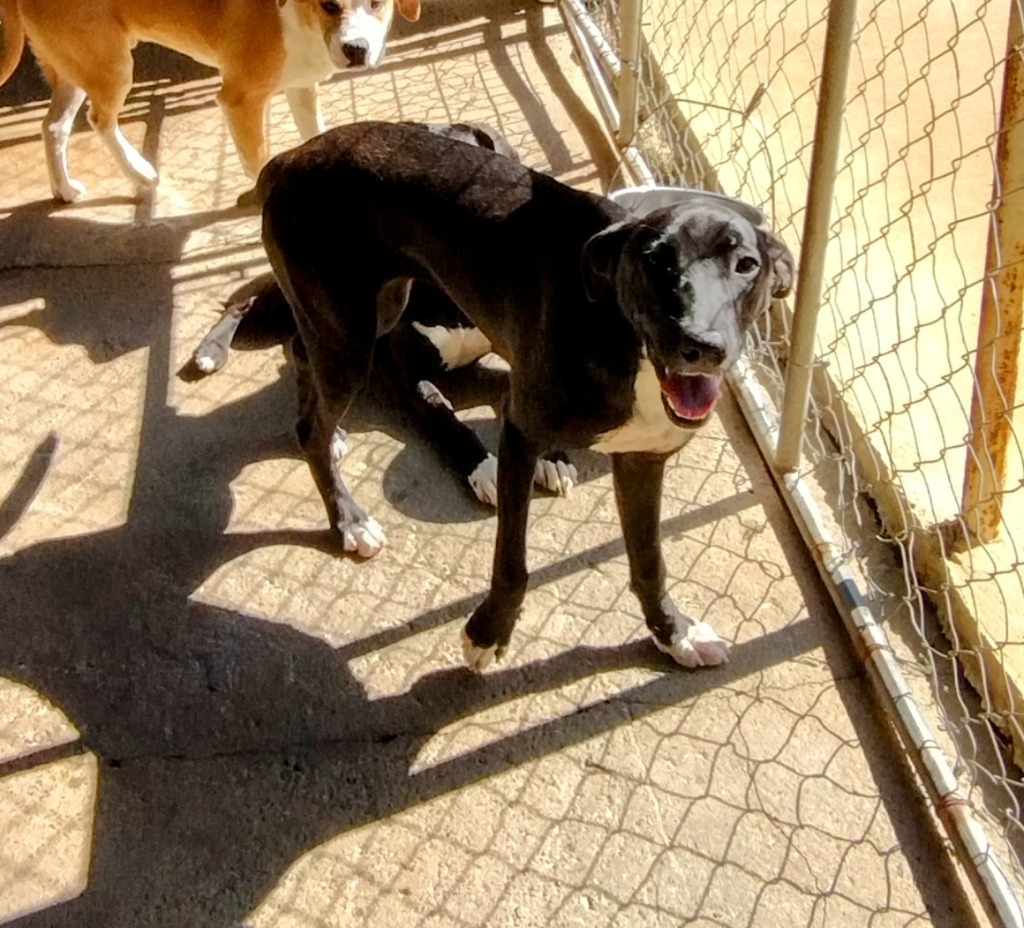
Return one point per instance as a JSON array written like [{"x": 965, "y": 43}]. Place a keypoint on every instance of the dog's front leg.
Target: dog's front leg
[
  {"x": 638, "y": 482},
  {"x": 304, "y": 102},
  {"x": 487, "y": 633}
]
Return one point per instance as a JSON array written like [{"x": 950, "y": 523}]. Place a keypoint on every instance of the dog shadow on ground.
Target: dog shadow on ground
[{"x": 229, "y": 746}]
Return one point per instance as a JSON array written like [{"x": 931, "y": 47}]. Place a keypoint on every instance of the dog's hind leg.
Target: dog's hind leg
[
  {"x": 638, "y": 481},
  {"x": 57, "y": 125},
  {"x": 212, "y": 353},
  {"x": 108, "y": 89},
  {"x": 245, "y": 110},
  {"x": 323, "y": 445},
  {"x": 487, "y": 633},
  {"x": 410, "y": 362}
]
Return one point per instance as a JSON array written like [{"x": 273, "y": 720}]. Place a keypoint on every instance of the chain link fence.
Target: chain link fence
[
  {"x": 913, "y": 443},
  {"x": 209, "y": 718}
]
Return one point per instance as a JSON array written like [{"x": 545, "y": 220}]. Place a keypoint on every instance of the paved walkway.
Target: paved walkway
[{"x": 208, "y": 718}]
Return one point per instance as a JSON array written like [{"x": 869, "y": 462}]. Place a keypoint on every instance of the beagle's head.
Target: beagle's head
[{"x": 356, "y": 31}]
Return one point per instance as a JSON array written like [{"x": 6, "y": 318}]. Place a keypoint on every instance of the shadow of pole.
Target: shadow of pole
[{"x": 15, "y": 504}]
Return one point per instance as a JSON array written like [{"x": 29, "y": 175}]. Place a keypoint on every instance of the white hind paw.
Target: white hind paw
[
  {"x": 365, "y": 538},
  {"x": 69, "y": 190},
  {"x": 484, "y": 480},
  {"x": 699, "y": 647},
  {"x": 339, "y": 444},
  {"x": 555, "y": 476}
]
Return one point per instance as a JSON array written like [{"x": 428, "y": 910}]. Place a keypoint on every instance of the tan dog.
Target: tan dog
[{"x": 259, "y": 46}]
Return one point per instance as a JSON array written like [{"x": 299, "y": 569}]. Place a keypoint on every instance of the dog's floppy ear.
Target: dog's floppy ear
[
  {"x": 410, "y": 9},
  {"x": 599, "y": 260},
  {"x": 783, "y": 265}
]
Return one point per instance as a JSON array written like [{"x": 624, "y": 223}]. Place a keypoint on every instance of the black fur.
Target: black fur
[{"x": 570, "y": 290}]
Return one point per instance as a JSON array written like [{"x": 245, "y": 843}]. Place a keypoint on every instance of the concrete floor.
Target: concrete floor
[{"x": 209, "y": 718}]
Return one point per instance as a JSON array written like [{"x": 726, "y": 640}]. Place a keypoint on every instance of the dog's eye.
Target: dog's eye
[
  {"x": 747, "y": 265},
  {"x": 376, "y": 5},
  {"x": 331, "y": 8}
]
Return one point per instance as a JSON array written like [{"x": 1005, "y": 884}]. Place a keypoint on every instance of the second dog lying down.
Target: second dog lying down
[
  {"x": 432, "y": 336},
  {"x": 617, "y": 328}
]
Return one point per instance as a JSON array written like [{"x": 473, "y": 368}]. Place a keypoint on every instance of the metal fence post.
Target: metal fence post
[
  {"x": 999, "y": 328},
  {"x": 630, "y": 16},
  {"x": 839, "y": 38}
]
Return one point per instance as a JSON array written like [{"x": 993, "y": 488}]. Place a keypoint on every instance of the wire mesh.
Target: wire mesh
[
  {"x": 728, "y": 101},
  {"x": 270, "y": 734}
]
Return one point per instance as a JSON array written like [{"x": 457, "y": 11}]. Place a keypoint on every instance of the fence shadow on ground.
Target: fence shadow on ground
[{"x": 228, "y": 746}]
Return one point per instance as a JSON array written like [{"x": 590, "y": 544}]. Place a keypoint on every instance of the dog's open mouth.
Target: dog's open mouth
[{"x": 689, "y": 398}]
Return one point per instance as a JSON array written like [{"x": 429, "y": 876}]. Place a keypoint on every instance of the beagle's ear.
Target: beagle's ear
[
  {"x": 410, "y": 9},
  {"x": 783, "y": 265},
  {"x": 599, "y": 260}
]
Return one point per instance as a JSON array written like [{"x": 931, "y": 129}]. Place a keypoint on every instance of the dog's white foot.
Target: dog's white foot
[
  {"x": 484, "y": 480},
  {"x": 477, "y": 659},
  {"x": 555, "y": 476},
  {"x": 699, "y": 647},
  {"x": 207, "y": 364},
  {"x": 68, "y": 190},
  {"x": 365, "y": 538},
  {"x": 339, "y": 444},
  {"x": 141, "y": 172}
]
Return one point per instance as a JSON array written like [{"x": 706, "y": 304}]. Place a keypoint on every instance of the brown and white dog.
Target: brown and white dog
[{"x": 259, "y": 46}]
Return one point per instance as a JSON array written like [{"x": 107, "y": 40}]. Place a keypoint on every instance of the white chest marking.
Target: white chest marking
[
  {"x": 307, "y": 60},
  {"x": 457, "y": 347},
  {"x": 649, "y": 428}
]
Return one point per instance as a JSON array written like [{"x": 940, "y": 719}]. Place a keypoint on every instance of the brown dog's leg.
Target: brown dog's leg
[
  {"x": 245, "y": 110},
  {"x": 638, "y": 481},
  {"x": 489, "y": 629},
  {"x": 108, "y": 88},
  {"x": 60, "y": 119}
]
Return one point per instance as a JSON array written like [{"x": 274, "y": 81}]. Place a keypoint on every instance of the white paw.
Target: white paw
[
  {"x": 69, "y": 190},
  {"x": 484, "y": 480},
  {"x": 205, "y": 363},
  {"x": 143, "y": 173},
  {"x": 700, "y": 647},
  {"x": 477, "y": 659},
  {"x": 555, "y": 476},
  {"x": 339, "y": 445},
  {"x": 365, "y": 538}
]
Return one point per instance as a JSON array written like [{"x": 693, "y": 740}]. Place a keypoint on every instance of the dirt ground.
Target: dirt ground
[{"x": 210, "y": 718}]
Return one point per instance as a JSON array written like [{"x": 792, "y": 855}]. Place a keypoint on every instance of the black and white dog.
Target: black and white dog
[
  {"x": 433, "y": 336},
  {"x": 617, "y": 328}
]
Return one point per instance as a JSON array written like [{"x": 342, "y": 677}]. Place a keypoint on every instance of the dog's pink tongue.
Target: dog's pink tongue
[{"x": 691, "y": 397}]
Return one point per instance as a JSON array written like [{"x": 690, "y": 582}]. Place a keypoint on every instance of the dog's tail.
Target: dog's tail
[{"x": 13, "y": 38}]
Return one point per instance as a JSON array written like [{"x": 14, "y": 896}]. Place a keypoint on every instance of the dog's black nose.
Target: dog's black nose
[
  {"x": 356, "y": 52},
  {"x": 707, "y": 353}
]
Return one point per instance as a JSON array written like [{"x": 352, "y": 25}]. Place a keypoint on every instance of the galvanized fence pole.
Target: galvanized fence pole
[
  {"x": 999, "y": 328},
  {"x": 839, "y": 39},
  {"x": 630, "y": 17}
]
